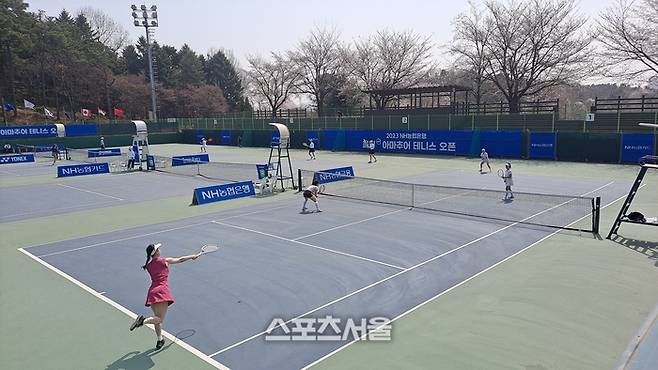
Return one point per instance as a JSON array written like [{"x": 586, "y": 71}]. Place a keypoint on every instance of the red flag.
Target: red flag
[
  {"x": 118, "y": 112},
  {"x": 85, "y": 112}
]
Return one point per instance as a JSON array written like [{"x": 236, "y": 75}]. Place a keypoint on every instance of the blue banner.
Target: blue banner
[
  {"x": 263, "y": 170},
  {"x": 226, "y": 137},
  {"x": 501, "y": 143},
  {"x": 315, "y": 136},
  {"x": 16, "y": 158},
  {"x": 182, "y": 160},
  {"x": 108, "y": 152},
  {"x": 83, "y": 169},
  {"x": 81, "y": 130},
  {"x": 333, "y": 174},
  {"x": 635, "y": 146},
  {"x": 218, "y": 193},
  {"x": 542, "y": 145},
  {"x": 28, "y": 131}
]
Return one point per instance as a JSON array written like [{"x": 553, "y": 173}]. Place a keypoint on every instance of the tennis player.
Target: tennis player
[
  {"x": 131, "y": 158},
  {"x": 311, "y": 149},
  {"x": 204, "y": 142},
  {"x": 371, "y": 151},
  {"x": 54, "y": 150},
  {"x": 484, "y": 158},
  {"x": 102, "y": 143},
  {"x": 507, "y": 178},
  {"x": 312, "y": 193},
  {"x": 159, "y": 298}
]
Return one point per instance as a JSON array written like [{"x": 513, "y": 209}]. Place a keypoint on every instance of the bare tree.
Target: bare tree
[
  {"x": 390, "y": 60},
  {"x": 530, "y": 46},
  {"x": 470, "y": 46},
  {"x": 318, "y": 59},
  {"x": 109, "y": 32},
  {"x": 273, "y": 80},
  {"x": 629, "y": 34}
]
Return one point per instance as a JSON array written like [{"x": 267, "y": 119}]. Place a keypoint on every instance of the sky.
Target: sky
[{"x": 257, "y": 27}]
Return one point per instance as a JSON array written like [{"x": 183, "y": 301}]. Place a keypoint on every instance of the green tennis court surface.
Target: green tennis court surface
[{"x": 570, "y": 301}]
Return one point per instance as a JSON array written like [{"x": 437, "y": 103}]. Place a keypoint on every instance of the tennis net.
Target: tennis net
[
  {"x": 118, "y": 163},
  {"x": 222, "y": 171},
  {"x": 546, "y": 210},
  {"x": 39, "y": 151}
]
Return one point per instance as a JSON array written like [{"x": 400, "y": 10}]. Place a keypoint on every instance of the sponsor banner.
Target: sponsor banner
[
  {"x": 16, "y": 158},
  {"x": 183, "y": 160},
  {"x": 108, "y": 152},
  {"x": 334, "y": 174},
  {"x": 218, "y": 193},
  {"x": 636, "y": 146},
  {"x": 83, "y": 169},
  {"x": 542, "y": 145},
  {"x": 28, "y": 131}
]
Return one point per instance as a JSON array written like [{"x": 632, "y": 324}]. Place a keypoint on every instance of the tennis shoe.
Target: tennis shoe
[
  {"x": 159, "y": 344},
  {"x": 139, "y": 321}
]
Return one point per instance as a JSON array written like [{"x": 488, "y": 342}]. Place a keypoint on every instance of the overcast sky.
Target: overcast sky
[{"x": 249, "y": 27}]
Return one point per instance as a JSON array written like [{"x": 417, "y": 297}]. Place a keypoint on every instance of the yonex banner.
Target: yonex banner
[
  {"x": 182, "y": 160},
  {"x": 83, "y": 169},
  {"x": 28, "y": 131},
  {"x": 108, "y": 152},
  {"x": 636, "y": 146},
  {"x": 333, "y": 174},
  {"x": 218, "y": 193},
  {"x": 542, "y": 145},
  {"x": 16, "y": 158}
]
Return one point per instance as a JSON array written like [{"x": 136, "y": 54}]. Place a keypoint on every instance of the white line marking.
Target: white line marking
[
  {"x": 101, "y": 293},
  {"x": 376, "y": 217},
  {"x": 309, "y": 245},
  {"x": 126, "y": 311},
  {"x": 459, "y": 284},
  {"x": 90, "y": 192},
  {"x": 403, "y": 272},
  {"x": 53, "y": 209},
  {"x": 149, "y": 234}
]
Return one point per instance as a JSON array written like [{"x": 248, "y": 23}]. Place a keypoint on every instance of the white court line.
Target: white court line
[
  {"x": 126, "y": 311},
  {"x": 152, "y": 233},
  {"x": 379, "y": 216},
  {"x": 53, "y": 209},
  {"x": 400, "y": 273},
  {"x": 458, "y": 284},
  {"x": 90, "y": 192},
  {"x": 309, "y": 245}
]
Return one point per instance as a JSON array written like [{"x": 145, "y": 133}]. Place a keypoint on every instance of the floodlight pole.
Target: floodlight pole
[{"x": 147, "y": 17}]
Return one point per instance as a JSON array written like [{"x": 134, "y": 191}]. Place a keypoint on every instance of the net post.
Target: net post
[
  {"x": 299, "y": 179},
  {"x": 413, "y": 195},
  {"x": 596, "y": 214}
]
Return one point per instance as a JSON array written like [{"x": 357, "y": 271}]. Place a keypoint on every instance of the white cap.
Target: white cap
[
  {"x": 155, "y": 249},
  {"x": 483, "y": 149}
]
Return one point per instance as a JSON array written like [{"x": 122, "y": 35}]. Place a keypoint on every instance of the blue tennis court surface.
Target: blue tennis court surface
[{"x": 354, "y": 260}]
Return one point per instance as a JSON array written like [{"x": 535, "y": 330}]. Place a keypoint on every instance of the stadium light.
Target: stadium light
[{"x": 148, "y": 19}]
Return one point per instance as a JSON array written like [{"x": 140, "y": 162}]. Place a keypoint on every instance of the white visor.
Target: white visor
[{"x": 157, "y": 246}]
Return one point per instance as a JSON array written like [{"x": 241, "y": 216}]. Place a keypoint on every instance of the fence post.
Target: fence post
[
  {"x": 372, "y": 123},
  {"x": 325, "y": 122},
  {"x": 428, "y": 122},
  {"x": 389, "y": 121},
  {"x": 449, "y": 122},
  {"x": 618, "y": 119},
  {"x": 553, "y": 122},
  {"x": 473, "y": 122},
  {"x": 497, "y": 123}
]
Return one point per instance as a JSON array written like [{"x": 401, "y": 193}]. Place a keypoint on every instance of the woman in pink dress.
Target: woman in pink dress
[{"x": 159, "y": 297}]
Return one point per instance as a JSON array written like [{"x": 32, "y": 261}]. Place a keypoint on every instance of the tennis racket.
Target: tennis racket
[
  {"x": 305, "y": 145},
  {"x": 501, "y": 173},
  {"x": 209, "y": 248},
  {"x": 321, "y": 191}
]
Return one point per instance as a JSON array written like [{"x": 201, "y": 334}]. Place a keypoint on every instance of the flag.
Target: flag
[
  {"x": 118, "y": 112},
  {"x": 101, "y": 112},
  {"x": 67, "y": 115},
  {"x": 28, "y": 104},
  {"x": 85, "y": 112},
  {"x": 9, "y": 107},
  {"x": 48, "y": 113}
]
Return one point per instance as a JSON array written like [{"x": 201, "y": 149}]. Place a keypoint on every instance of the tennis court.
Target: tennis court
[{"x": 354, "y": 260}]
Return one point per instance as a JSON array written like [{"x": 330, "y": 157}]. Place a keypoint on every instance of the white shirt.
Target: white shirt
[
  {"x": 371, "y": 145},
  {"x": 203, "y": 142},
  {"x": 508, "y": 178},
  {"x": 313, "y": 189},
  {"x": 484, "y": 156},
  {"x": 311, "y": 145},
  {"x": 131, "y": 154}
]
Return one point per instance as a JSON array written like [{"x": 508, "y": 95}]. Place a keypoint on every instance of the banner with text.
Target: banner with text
[
  {"x": 333, "y": 174},
  {"x": 28, "y": 131},
  {"x": 542, "y": 145},
  {"x": 636, "y": 146},
  {"x": 218, "y": 193},
  {"x": 83, "y": 169},
  {"x": 16, "y": 158},
  {"x": 107, "y": 152},
  {"x": 183, "y": 160}
]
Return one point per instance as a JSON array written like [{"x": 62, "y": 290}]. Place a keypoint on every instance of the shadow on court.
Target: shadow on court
[
  {"x": 136, "y": 360},
  {"x": 647, "y": 248}
]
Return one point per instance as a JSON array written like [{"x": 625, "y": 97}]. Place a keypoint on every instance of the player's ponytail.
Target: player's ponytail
[{"x": 149, "y": 252}]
